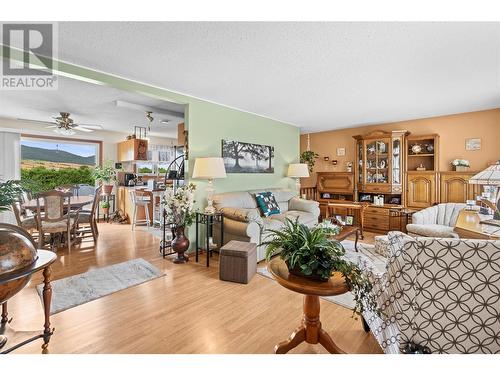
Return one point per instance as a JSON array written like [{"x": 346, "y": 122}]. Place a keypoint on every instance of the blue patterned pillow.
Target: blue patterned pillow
[{"x": 267, "y": 203}]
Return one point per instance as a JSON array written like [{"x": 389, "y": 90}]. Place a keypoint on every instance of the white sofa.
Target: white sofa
[
  {"x": 243, "y": 220},
  {"x": 440, "y": 293},
  {"x": 436, "y": 221}
]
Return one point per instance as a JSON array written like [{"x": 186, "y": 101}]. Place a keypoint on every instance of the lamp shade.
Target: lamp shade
[
  {"x": 490, "y": 176},
  {"x": 298, "y": 170},
  {"x": 209, "y": 168}
]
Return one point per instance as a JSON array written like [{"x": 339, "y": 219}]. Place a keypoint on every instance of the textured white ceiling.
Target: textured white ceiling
[
  {"x": 89, "y": 104},
  {"x": 315, "y": 75}
]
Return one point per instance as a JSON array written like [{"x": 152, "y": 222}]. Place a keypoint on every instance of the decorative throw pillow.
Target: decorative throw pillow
[{"x": 267, "y": 203}]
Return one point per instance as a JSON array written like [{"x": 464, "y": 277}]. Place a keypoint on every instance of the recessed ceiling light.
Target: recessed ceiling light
[{"x": 165, "y": 121}]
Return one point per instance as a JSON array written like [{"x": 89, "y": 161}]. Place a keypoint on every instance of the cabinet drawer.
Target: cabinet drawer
[
  {"x": 376, "y": 188},
  {"x": 377, "y": 223},
  {"x": 370, "y": 211}
]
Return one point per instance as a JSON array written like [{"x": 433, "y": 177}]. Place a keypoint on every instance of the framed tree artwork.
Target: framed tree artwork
[{"x": 242, "y": 157}]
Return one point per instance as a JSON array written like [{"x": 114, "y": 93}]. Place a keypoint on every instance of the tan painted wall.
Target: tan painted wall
[{"x": 453, "y": 131}]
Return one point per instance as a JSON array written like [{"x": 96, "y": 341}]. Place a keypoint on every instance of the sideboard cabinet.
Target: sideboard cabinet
[{"x": 455, "y": 187}]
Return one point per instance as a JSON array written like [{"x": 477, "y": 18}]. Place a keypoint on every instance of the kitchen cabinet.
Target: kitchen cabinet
[{"x": 133, "y": 149}]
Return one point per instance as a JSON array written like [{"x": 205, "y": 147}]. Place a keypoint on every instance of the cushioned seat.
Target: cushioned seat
[
  {"x": 432, "y": 230},
  {"x": 271, "y": 223},
  {"x": 306, "y": 218},
  {"x": 28, "y": 223},
  {"x": 57, "y": 226}
]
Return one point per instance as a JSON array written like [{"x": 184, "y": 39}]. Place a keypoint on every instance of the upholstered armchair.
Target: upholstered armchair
[
  {"x": 436, "y": 221},
  {"x": 440, "y": 293}
]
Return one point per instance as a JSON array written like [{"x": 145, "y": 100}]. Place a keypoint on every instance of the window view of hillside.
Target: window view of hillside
[{"x": 47, "y": 164}]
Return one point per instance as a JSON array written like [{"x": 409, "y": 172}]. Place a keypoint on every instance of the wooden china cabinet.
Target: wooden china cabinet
[{"x": 379, "y": 173}]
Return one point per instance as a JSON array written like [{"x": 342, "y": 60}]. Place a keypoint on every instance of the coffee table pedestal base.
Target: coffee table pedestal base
[{"x": 309, "y": 331}]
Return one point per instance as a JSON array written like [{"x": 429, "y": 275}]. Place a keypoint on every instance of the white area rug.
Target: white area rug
[
  {"x": 366, "y": 257},
  {"x": 85, "y": 287}
]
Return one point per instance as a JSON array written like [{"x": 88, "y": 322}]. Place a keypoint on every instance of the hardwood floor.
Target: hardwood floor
[{"x": 188, "y": 311}]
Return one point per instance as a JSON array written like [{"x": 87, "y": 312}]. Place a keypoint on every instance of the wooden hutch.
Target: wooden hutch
[
  {"x": 379, "y": 170},
  {"x": 394, "y": 170}
]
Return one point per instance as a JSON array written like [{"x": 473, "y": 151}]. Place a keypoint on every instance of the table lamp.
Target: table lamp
[
  {"x": 208, "y": 169},
  {"x": 298, "y": 171},
  {"x": 490, "y": 177}
]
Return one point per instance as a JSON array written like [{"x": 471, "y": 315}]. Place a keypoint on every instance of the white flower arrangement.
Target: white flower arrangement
[
  {"x": 179, "y": 206},
  {"x": 329, "y": 228},
  {"x": 460, "y": 163}
]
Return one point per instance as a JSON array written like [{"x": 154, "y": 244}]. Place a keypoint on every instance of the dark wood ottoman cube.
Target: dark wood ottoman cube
[{"x": 238, "y": 261}]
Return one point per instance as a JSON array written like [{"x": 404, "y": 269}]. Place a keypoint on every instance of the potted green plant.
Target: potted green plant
[
  {"x": 309, "y": 158},
  {"x": 105, "y": 207},
  {"x": 9, "y": 193},
  {"x": 106, "y": 174},
  {"x": 309, "y": 252}
]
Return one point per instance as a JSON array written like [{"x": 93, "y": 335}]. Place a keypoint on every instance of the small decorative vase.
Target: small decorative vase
[
  {"x": 180, "y": 244},
  {"x": 105, "y": 210}
]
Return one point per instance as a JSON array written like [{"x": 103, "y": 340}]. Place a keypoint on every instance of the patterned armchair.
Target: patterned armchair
[{"x": 440, "y": 293}]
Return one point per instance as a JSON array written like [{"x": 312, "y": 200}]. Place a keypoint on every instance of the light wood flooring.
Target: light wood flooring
[{"x": 188, "y": 311}]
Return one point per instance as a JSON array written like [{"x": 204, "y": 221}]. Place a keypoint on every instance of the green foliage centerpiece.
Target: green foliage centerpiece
[
  {"x": 311, "y": 253},
  {"x": 106, "y": 174}
]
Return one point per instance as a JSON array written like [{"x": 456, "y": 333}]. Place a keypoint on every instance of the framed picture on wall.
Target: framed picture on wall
[
  {"x": 241, "y": 157},
  {"x": 472, "y": 144},
  {"x": 341, "y": 151}
]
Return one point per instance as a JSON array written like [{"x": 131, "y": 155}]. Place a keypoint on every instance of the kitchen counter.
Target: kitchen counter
[{"x": 124, "y": 201}]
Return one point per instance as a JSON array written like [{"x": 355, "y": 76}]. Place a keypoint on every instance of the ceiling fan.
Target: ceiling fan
[{"x": 65, "y": 125}]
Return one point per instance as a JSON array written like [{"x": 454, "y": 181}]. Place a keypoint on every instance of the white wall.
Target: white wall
[{"x": 10, "y": 164}]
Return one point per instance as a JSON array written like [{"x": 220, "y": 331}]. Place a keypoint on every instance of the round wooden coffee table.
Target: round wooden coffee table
[{"x": 310, "y": 329}]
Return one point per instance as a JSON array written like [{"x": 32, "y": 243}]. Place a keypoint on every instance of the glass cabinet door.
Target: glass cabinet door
[
  {"x": 359, "y": 150},
  {"x": 377, "y": 161},
  {"x": 396, "y": 161}
]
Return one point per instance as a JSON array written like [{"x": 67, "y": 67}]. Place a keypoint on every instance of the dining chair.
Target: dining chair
[
  {"x": 74, "y": 189},
  {"x": 24, "y": 218},
  {"x": 51, "y": 217},
  {"x": 140, "y": 199},
  {"x": 87, "y": 223}
]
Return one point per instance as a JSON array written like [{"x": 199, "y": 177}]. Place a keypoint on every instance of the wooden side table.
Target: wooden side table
[
  {"x": 44, "y": 261},
  {"x": 310, "y": 329}
]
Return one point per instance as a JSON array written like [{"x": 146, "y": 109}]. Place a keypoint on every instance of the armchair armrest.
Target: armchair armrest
[
  {"x": 299, "y": 204},
  {"x": 246, "y": 215}
]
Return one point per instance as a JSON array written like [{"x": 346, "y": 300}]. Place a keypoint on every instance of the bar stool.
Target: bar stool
[{"x": 139, "y": 199}]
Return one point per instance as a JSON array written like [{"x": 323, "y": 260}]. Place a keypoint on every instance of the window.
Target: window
[{"x": 49, "y": 162}]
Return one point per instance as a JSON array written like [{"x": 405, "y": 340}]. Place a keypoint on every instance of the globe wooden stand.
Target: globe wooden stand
[
  {"x": 310, "y": 329},
  {"x": 11, "y": 339}
]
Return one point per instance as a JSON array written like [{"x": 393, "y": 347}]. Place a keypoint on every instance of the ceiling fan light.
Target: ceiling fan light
[{"x": 63, "y": 131}]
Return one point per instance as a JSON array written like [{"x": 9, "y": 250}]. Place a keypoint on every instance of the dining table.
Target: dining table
[{"x": 76, "y": 202}]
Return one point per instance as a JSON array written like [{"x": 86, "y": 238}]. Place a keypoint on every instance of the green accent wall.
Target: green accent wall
[{"x": 208, "y": 123}]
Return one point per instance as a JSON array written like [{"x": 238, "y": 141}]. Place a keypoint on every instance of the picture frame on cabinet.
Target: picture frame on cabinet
[
  {"x": 349, "y": 220},
  {"x": 365, "y": 198},
  {"x": 339, "y": 218}
]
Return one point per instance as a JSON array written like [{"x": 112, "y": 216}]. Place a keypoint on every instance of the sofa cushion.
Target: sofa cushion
[
  {"x": 267, "y": 203},
  {"x": 431, "y": 230},
  {"x": 240, "y": 199},
  {"x": 305, "y": 218}
]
